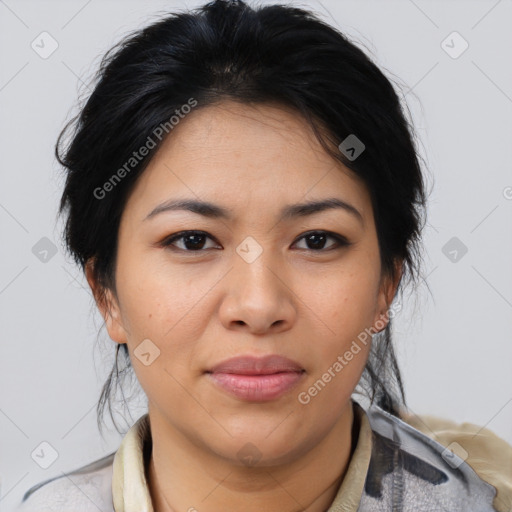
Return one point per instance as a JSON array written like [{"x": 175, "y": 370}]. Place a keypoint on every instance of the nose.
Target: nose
[{"x": 258, "y": 296}]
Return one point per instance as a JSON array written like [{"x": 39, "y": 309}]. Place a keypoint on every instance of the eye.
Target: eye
[
  {"x": 317, "y": 240},
  {"x": 193, "y": 241}
]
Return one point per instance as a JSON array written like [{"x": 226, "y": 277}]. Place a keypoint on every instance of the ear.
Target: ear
[
  {"x": 107, "y": 305},
  {"x": 386, "y": 293}
]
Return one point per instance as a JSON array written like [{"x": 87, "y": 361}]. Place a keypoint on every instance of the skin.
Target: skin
[{"x": 304, "y": 301}]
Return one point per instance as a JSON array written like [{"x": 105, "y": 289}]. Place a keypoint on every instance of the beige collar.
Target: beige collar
[{"x": 130, "y": 489}]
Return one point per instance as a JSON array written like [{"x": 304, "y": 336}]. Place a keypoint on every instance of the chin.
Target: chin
[{"x": 256, "y": 447}]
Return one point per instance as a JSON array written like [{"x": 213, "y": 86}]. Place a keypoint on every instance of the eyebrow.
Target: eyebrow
[{"x": 291, "y": 211}]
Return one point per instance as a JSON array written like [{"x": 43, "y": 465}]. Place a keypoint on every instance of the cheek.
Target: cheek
[
  {"x": 346, "y": 300},
  {"x": 155, "y": 299},
  {"x": 168, "y": 308},
  {"x": 341, "y": 350},
  {"x": 345, "y": 303}
]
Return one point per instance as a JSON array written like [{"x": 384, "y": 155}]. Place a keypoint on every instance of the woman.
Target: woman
[{"x": 245, "y": 197}]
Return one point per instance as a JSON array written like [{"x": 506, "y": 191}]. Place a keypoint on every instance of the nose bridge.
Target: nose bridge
[
  {"x": 256, "y": 294},
  {"x": 256, "y": 264}
]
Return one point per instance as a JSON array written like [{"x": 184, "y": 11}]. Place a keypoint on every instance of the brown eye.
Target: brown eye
[
  {"x": 196, "y": 241},
  {"x": 191, "y": 241},
  {"x": 316, "y": 240}
]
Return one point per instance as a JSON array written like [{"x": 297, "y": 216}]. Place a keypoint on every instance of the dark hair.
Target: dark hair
[{"x": 271, "y": 54}]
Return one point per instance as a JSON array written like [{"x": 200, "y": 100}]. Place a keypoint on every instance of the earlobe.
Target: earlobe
[
  {"x": 107, "y": 305},
  {"x": 387, "y": 292},
  {"x": 112, "y": 316}
]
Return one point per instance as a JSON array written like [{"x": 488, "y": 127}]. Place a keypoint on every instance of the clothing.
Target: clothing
[{"x": 394, "y": 467}]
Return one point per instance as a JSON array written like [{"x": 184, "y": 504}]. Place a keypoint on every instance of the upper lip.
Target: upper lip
[{"x": 251, "y": 365}]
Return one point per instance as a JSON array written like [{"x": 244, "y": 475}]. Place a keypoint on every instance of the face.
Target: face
[{"x": 196, "y": 287}]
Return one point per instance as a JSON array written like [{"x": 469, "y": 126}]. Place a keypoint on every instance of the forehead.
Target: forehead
[
  {"x": 244, "y": 154},
  {"x": 257, "y": 132}
]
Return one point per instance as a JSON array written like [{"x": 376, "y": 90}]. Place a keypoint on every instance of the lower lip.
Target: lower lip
[{"x": 257, "y": 388}]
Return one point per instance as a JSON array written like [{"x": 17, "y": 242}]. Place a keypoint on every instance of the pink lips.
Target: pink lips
[{"x": 256, "y": 378}]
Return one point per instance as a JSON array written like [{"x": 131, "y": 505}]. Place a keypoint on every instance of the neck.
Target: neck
[{"x": 184, "y": 477}]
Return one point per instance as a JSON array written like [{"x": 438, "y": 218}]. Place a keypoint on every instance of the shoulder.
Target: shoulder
[
  {"x": 485, "y": 452},
  {"x": 88, "y": 488},
  {"x": 415, "y": 470}
]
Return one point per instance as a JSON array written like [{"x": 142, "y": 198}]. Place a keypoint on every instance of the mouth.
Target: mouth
[{"x": 256, "y": 379}]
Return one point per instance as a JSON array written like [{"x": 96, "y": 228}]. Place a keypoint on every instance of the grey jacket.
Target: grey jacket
[{"x": 409, "y": 472}]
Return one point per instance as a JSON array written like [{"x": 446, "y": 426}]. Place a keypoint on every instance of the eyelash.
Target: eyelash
[{"x": 341, "y": 241}]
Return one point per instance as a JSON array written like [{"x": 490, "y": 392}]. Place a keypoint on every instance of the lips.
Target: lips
[
  {"x": 256, "y": 378},
  {"x": 250, "y": 365}
]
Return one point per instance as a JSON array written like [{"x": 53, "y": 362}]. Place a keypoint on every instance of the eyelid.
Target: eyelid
[
  {"x": 168, "y": 240},
  {"x": 341, "y": 241}
]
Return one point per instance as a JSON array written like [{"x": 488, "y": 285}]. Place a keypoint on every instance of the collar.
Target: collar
[{"x": 130, "y": 490}]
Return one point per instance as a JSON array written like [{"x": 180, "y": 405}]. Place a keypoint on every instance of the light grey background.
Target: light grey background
[{"x": 455, "y": 346}]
